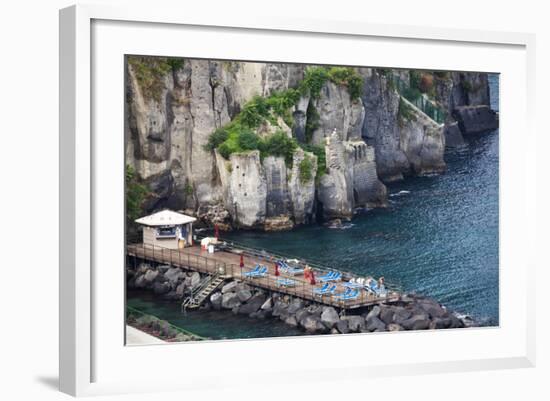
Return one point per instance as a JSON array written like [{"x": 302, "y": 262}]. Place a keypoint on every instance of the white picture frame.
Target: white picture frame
[{"x": 95, "y": 361}]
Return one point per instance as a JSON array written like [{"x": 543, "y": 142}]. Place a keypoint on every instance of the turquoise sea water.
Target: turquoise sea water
[{"x": 439, "y": 237}]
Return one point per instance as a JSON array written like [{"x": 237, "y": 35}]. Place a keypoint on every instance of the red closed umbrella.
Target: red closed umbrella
[
  {"x": 276, "y": 269},
  {"x": 311, "y": 278},
  {"x": 217, "y": 231},
  {"x": 241, "y": 264}
]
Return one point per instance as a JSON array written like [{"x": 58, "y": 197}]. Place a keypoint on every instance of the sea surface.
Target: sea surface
[{"x": 439, "y": 237}]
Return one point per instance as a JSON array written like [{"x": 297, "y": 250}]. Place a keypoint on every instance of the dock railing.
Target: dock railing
[{"x": 271, "y": 256}]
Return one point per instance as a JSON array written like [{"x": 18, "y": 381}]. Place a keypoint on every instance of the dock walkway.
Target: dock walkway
[{"x": 226, "y": 263}]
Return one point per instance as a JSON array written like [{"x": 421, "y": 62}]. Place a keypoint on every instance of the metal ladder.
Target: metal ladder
[{"x": 206, "y": 288}]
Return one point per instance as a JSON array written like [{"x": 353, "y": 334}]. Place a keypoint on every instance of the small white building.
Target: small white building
[{"x": 167, "y": 229}]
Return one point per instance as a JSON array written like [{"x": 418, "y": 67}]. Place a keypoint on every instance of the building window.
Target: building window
[{"x": 166, "y": 232}]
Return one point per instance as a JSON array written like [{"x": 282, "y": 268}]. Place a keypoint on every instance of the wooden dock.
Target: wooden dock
[{"x": 226, "y": 264}]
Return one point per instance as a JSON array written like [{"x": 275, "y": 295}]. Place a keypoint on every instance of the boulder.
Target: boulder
[
  {"x": 374, "y": 323},
  {"x": 329, "y": 317},
  {"x": 253, "y": 304},
  {"x": 355, "y": 323},
  {"x": 416, "y": 322},
  {"x": 440, "y": 323},
  {"x": 230, "y": 300},
  {"x": 456, "y": 323},
  {"x": 394, "y": 327},
  {"x": 143, "y": 268},
  {"x": 374, "y": 312},
  {"x": 231, "y": 286},
  {"x": 180, "y": 290},
  {"x": 315, "y": 309},
  {"x": 311, "y": 323},
  {"x": 401, "y": 314},
  {"x": 453, "y": 136},
  {"x": 174, "y": 274},
  {"x": 194, "y": 280},
  {"x": 244, "y": 295},
  {"x": 150, "y": 276},
  {"x": 301, "y": 314},
  {"x": 161, "y": 288},
  {"x": 216, "y": 300},
  {"x": 163, "y": 268},
  {"x": 280, "y": 308},
  {"x": 386, "y": 315},
  {"x": 342, "y": 326},
  {"x": 475, "y": 119},
  {"x": 267, "y": 305},
  {"x": 295, "y": 305},
  {"x": 291, "y": 321},
  {"x": 141, "y": 282}
]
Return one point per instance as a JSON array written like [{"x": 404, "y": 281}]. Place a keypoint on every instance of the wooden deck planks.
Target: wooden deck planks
[{"x": 227, "y": 263}]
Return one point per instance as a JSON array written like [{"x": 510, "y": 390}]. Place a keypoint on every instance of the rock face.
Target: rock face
[
  {"x": 366, "y": 141},
  {"x": 475, "y": 119},
  {"x": 402, "y": 146}
]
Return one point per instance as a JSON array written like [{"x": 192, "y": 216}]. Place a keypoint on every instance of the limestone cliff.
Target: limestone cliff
[{"x": 174, "y": 106}]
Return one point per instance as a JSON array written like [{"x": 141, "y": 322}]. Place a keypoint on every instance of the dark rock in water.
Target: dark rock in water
[
  {"x": 456, "y": 323},
  {"x": 161, "y": 288},
  {"x": 174, "y": 274},
  {"x": 416, "y": 322},
  {"x": 216, "y": 300},
  {"x": 440, "y": 323},
  {"x": 386, "y": 315},
  {"x": 164, "y": 268},
  {"x": 291, "y": 321},
  {"x": 374, "y": 312},
  {"x": 231, "y": 286},
  {"x": 342, "y": 326},
  {"x": 280, "y": 308},
  {"x": 475, "y": 119},
  {"x": 433, "y": 309},
  {"x": 141, "y": 282},
  {"x": 253, "y": 305},
  {"x": 301, "y": 314},
  {"x": 329, "y": 317},
  {"x": 355, "y": 323},
  {"x": 453, "y": 136},
  {"x": 180, "y": 290},
  {"x": 394, "y": 327},
  {"x": 295, "y": 305},
  {"x": 150, "y": 276},
  {"x": 374, "y": 323},
  {"x": 400, "y": 314},
  {"x": 315, "y": 310},
  {"x": 311, "y": 323},
  {"x": 244, "y": 295},
  {"x": 230, "y": 300},
  {"x": 267, "y": 305}
]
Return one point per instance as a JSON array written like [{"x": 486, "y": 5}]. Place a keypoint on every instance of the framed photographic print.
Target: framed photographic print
[{"x": 312, "y": 190}]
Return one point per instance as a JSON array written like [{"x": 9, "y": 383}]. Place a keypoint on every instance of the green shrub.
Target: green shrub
[
  {"x": 314, "y": 79},
  {"x": 312, "y": 121},
  {"x": 248, "y": 140},
  {"x": 254, "y": 112},
  {"x": 279, "y": 144},
  {"x": 135, "y": 195},
  {"x": 305, "y": 167},
  {"x": 150, "y": 73},
  {"x": 347, "y": 76},
  {"x": 318, "y": 151},
  {"x": 216, "y": 139},
  {"x": 188, "y": 189}
]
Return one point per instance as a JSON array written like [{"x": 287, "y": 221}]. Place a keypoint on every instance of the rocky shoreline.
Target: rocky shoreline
[{"x": 411, "y": 312}]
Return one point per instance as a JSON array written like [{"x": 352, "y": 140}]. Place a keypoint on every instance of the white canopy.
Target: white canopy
[{"x": 165, "y": 218}]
